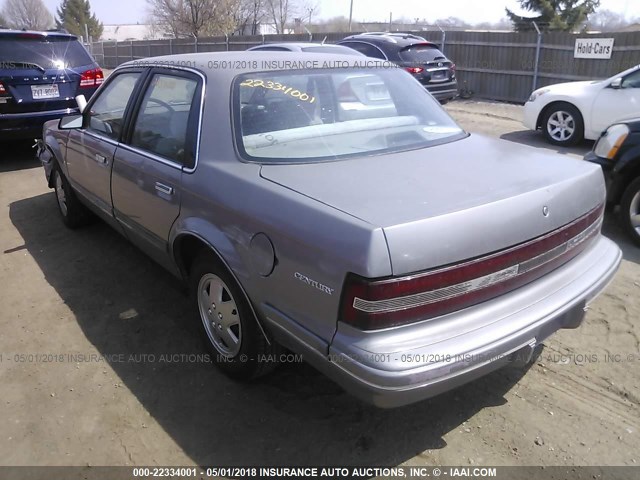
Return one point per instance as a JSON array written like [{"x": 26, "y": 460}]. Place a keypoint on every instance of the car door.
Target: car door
[
  {"x": 616, "y": 104},
  {"x": 90, "y": 150},
  {"x": 161, "y": 142}
]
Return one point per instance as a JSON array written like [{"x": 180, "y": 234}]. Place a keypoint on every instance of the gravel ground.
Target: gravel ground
[{"x": 69, "y": 299}]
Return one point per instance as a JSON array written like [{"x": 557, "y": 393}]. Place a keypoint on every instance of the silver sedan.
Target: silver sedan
[{"x": 329, "y": 205}]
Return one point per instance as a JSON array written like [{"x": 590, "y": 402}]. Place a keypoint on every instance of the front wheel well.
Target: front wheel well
[{"x": 557, "y": 103}]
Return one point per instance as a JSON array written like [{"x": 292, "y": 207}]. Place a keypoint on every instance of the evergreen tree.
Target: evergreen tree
[
  {"x": 73, "y": 15},
  {"x": 556, "y": 15}
]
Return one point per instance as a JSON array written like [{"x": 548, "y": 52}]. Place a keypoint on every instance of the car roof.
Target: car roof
[
  {"x": 297, "y": 45},
  {"x": 388, "y": 39},
  {"x": 35, "y": 34},
  {"x": 225, "y": 66}
]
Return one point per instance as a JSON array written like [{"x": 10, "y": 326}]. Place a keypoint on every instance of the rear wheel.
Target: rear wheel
[
  {"x": 562, "y": 125},
  {"x": 74, "y": 214},
  {"x": 630, "y": 210},
  {"x": 229, "y": 327}
]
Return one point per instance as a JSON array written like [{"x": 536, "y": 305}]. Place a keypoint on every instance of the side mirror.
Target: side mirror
[
  {"x": 82, "y": 102},
  {"x": 617, "y": 83},
  {"x": 70, "y": 122}
]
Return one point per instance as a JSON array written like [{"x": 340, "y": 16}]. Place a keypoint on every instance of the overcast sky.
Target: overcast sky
[{"x": 472, "y": 11}]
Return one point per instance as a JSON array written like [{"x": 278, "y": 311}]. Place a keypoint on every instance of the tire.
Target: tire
[
  {"x": 630, "y": 211},
  {"x": 229, "y": 327},
  {"x": 562, "y": 125},
  {"x": 73, "y": 213}
]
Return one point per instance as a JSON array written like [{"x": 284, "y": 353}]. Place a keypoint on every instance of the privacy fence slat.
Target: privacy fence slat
[{"x": 493, "y": 65}]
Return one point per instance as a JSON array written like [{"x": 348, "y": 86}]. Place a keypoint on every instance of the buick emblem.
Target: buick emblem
[
  {"x": 545, "y": 211},
  {"x": 440, "y": 64}
]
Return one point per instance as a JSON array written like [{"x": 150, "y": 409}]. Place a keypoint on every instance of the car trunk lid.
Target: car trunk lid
[{"x": 452, "y": 202}]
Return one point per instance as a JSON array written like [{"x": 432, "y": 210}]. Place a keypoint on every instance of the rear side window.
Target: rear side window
[
  {"x": 162, "y": 125},
  {"x": 50, "y": 53},
  {"x": 271, "y": 49},
  {"x": 421, "y": 53},
  {"x": 337, "y": 49},
  {"x": 366, "y": 49}
]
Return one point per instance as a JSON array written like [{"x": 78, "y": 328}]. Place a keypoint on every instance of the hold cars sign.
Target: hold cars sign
[{"x": 593, "y": 48}]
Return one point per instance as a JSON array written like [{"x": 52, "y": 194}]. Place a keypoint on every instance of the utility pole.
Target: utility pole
[{"x": 350, "y": 14}]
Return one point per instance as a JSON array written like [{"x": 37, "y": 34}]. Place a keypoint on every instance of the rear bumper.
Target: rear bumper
[
  {"x": 443, "y": 91},
  {"x": 20, "y": 126},
  {"x": 405, "y": 365}
]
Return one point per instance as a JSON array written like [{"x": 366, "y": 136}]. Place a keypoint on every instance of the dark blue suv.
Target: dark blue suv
[{"x": 41, "y": 73}]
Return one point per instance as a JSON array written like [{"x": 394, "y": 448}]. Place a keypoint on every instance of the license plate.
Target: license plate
[{"x": 44, "y": 91}]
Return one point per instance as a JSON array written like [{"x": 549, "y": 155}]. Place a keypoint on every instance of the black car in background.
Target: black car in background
[
  {"x": 422, "y": 59},
  {"x": 41, "y": 73},
  {"x": 618, "y": 152}
]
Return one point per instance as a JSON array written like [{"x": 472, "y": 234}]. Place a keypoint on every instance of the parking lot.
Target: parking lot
[{"x": 100, "y": 365}]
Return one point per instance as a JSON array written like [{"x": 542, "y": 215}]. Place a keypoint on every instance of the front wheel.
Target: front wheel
[
  {"x": 562, "y": 125},
  {"x": 74, "y": 214},
  {"x": 630, "y": 210},
  {"x": 230, "y": 329}
]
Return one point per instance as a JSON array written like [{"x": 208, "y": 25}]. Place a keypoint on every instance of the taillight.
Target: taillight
[
  {"x": 453, "y": 67},
  {"x": 382, "y": 303},
  {"x": 2, "y": 89},
  {"x": 91, "y": 78},
  {"x": 414, "y": 70}
]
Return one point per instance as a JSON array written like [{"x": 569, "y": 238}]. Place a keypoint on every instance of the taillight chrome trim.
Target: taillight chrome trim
[{"x": 491, "y": 279}]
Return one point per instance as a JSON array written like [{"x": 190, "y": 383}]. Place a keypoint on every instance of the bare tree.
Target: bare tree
[
  {"x": 193, "y": 18},
  {"x": 248, "y": 15},
  {"x": 279, "y": 12},
  {"x": 27, "y": 14},
  {"x": 608, "y": 21},
  {"x": 309, "y": 9}
]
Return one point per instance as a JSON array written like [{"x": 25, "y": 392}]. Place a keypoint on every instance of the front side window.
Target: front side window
[
  {"x": 107, "y": 111},
  {"x": 162, "y": 124},
  {"x": 319, "y": 115},
  {"x": 632, "y": 80}
]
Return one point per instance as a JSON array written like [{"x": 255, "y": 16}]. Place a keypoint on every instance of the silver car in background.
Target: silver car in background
[{"x": 337, "y": 210}]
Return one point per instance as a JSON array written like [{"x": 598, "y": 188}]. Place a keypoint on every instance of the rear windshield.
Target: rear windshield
[
  {"x": 62, "y": 53},
  {"x": 421, "y": 53},
  {"x": 319, "y": 115}
]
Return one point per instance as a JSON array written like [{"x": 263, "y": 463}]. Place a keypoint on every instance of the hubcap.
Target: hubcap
[
  {"x": 561, "y": 126},
  {"x": 634, "y": 212},
  {"x": 219, "y": 315},
  {"x": 62, "y": 198}
]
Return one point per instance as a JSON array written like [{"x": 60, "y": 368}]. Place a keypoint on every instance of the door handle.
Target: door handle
[
  {"x": 162, "y": 188},
  {"x": 101, "y": 159}
]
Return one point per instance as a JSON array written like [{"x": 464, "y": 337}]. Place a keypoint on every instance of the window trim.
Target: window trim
[
  {"x": 100, "y": 91},
  {"x": 199, "y": 96}
]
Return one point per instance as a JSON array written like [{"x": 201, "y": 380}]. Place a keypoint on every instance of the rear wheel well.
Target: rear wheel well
[{"x": 186, "y": 249}]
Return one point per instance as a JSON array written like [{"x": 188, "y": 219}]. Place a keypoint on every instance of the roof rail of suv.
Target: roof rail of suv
[{"x": 405, "y": 35}]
